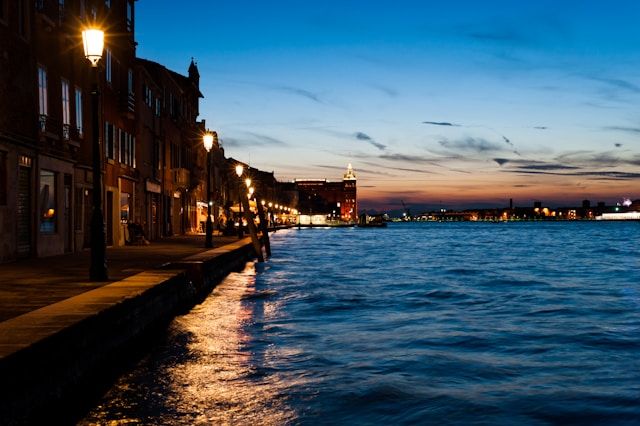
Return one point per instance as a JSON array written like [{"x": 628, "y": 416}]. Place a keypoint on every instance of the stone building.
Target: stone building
[
  {"x": 172, "y": 157},
  {"x": 337, "y": 199},
  {"x": 45, "y": 126}
]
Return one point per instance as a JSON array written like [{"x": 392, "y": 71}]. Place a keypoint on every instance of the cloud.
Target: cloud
[
  {"x": 440, "y": 123},
  {"x": 364, "y": 137},
  {"x": 632, "y": 130},
  {"x": 407, "y": 158},
  {"x": 598, "y": 175},
  {"x": 470, "y": 144},
  {"x": 618, "y": 145},
  {"x": 501, "y": 161},
  {"x": 540, "y": 127},
  {"x": 253, "y": 139},
  {"x": 389, "y": 91},
  {"x": 402, "y": 169},
  {"x": 307, "y": 94},
  {"x": 617, "y": 83},
  {"x": 549, "y": 166}
]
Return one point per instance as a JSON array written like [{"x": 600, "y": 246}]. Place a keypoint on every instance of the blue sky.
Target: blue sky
[{"x": 453, "y": 103}]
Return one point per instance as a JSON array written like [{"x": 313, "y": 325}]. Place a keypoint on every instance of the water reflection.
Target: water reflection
[{"x": 204, "y": 373}]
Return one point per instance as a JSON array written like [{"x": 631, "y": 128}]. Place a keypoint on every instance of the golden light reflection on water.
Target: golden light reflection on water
[{"x": 213, "y": 379}]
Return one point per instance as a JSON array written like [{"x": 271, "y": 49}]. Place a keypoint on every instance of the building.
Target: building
[
  {"x": 335, "y": 200},
  {"x": 172, "y": 160},
  {"x": 45, "y": 142}
]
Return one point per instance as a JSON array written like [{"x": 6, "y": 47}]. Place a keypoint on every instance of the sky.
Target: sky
[{"x": 439, "y": 104}]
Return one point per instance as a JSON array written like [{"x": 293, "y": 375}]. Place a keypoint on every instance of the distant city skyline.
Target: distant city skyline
[{"x": 457, "y": 104}]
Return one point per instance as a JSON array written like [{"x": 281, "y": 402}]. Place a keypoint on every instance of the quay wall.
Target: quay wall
[{"x": 56, "y": 359}]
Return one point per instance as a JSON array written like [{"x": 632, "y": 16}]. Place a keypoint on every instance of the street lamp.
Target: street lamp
[
  {"x": 239, "y": 172},
  {"x": 207, "y": 139},
  {"x": 93, "y": 43},
  {"x": 247, "y": 182}
]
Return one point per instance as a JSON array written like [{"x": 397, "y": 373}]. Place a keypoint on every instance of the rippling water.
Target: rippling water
[{"x": 466, "y": 323}]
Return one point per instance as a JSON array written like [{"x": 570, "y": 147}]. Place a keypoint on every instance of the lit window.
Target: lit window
[
  {"x": 66, "y": 103},
  {"x": 124, "y": 207},
  {"x": 42, "y": 90},
  {"x": 78, "y": 100},
  {"x": 107, "y": 65},
  {"x": 48, "y": 213}
]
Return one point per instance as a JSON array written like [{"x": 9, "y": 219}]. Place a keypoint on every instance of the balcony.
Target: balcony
[{"x": 181, "y": 177}]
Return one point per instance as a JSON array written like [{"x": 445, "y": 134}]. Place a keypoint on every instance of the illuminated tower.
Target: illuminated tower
[{"x": 349, "y": 206}]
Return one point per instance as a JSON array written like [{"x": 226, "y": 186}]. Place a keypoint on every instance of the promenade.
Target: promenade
[{"x": 31, "y": 284}]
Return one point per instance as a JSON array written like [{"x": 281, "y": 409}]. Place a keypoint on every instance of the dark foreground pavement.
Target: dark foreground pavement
[{"x": 31, "y": 284}]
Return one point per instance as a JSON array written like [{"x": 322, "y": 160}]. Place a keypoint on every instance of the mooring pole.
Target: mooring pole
[
  {"x": 252, "y": 228},
  {"x": 264, "y": 228}
]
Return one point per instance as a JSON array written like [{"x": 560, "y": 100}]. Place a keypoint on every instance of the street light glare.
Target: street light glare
[
  {"x": 239, "y": 170},
  {"x": 247, "y": 182},
  {"x": 208, "y": 141},
  {"x": 93, "y": 41}
]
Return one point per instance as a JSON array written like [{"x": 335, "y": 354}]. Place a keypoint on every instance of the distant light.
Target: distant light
[
  {"x": 247, "y": 182},
  {"x": 239, "y": 170}
]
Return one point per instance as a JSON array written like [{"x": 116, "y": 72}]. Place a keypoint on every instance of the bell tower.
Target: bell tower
[{"x": 349, "y": 206}]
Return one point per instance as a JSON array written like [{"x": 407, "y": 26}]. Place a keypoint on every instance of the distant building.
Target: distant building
[{"x": 332, "y": 199}]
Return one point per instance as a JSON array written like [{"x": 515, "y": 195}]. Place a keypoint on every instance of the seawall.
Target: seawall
[{"x": 54, "y": 357}]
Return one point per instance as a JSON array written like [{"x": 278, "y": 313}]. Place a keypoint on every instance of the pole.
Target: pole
[
  {"x": 98, "y": 271},
  {"x": 264, "y": 228},
  {"x": 252, "y": 229},
  {"x": 208, "y": 241},
  {"x": 240, "y": 234}
]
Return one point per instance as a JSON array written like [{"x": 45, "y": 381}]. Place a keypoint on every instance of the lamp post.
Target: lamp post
[
  {"x": 207, "y": 139},
  {"x": 239, "y": 171},
  {"x": 93, "y": 43}
]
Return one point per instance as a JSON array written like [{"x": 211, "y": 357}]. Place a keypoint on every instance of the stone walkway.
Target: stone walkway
[{"x": 31, "y": 284}]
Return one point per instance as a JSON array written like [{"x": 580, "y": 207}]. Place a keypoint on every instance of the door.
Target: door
[
  {"x": 109, "y": 212},
  {"x": 68, "y": 235},
  {"x": 23, "y": 212}
]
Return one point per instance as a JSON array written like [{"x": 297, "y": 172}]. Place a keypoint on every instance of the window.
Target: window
[
  {"x": 78, "y": 100},
  {"x": 3, "y": 178},
  {"x": 127, "y": 152},
  {"x": 158, "y": 107},
  {"x": 3, "y": 10},
  {"x": 107, "y": 65},
  {"x": 129, "y": 15},
  {"x": 42, "y": 90},
  {"x": 148, "y": 95},
  {"x": 61, "y": 10},
  {"x": 23, "y": 24},
  {"x": 122, "y": 138},
  {"x": 107, "y": 3},
  {"x": 48, "y": 213},
  {"x": 66, "y": 103},
  {"x": 109, "y": 142},
  {"x": 130, "y": 81},
  {"x": 124, "y": 207},
  {"x": 83, "y": 9}
]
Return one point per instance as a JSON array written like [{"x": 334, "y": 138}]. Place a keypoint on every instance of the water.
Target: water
[{"x": 437, "y": 323}]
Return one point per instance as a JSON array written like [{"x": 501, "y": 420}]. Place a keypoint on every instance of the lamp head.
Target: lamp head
[
  {"x": 247, "y": 182},
  {"x": 93, "y": 42},
  {"x": 207, "y": 139},
  {"x": 239, "y": 170}
]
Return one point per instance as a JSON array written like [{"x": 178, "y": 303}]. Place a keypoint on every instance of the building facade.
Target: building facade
[{"x": 336, "y": 200}]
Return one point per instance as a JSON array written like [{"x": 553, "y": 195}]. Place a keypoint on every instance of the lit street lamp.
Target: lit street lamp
[
  {"x": 93, "y": 42},
  {"x": 207, "y": 139},
  {"x": 239, "y": 171}
]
